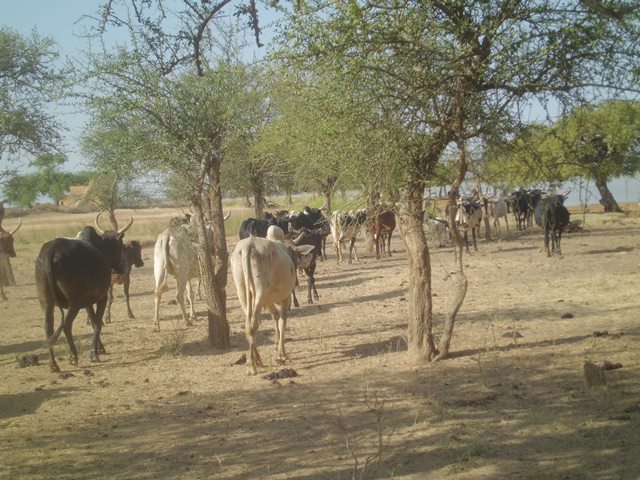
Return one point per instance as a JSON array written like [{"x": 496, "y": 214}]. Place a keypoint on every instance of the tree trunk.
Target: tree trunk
[
  {"x": 258, "y": 203},
  {"x": 6, "y": 272},
  {"x": 112, "y": 217},
  {"x": 607, "y": 201},
  {"x": 485, "y": 209},
  {"x": 212, "y": 290},
  {"x": 460, "y": 277},
  {"x": 288, "y": 197},
  {"x": 1, "y": 214},
  {"x": 326, "y": 196},
  {"x": 420, "y": 337}
]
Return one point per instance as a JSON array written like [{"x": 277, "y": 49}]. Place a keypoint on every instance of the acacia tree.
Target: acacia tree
[
  {"x": 441, "y": 71},
  {"x": 167, "y": 85},
  {"x": 30, "y": 79}
]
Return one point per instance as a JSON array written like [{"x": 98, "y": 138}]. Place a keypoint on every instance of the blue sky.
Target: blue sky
[{"x": 64, "y": 21}]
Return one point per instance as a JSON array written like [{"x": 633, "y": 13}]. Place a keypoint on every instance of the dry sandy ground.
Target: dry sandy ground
[{"x": 501, "y": 408}]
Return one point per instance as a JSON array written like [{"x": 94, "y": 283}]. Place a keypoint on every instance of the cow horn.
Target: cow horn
[
  {"x": 17, "y": 228},
  {"x": 298, "y": 239},
  {"x": 125, "y": 228},
  {"x": 226, "y": 216},
  {"x": 96, "y": 222}
]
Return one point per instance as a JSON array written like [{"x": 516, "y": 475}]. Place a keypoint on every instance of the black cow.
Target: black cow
[
  {"x": 252, "y": 227},
  {"x": 7, "y": 248},
  {"x": 131, "y": 256},
  {"x": 312, "y": 219},
  {"x": 75, "y": 274},
  {"x": 551, "y": 214},
  {"x": 307, "y": 262}
]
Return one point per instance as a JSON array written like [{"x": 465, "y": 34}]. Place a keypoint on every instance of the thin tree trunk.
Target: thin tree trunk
[
  {"x": 6, "y": 272},
  {"x": 326, "y": 196},
  {"x": 461, "y": 281},
  {"x": 607, "y": 201},
  {"x": 258, "y": 203},
  {"x": 420, "y": 340},
  {"x": 218, "y": 326},
  {"x": 289, "y": 197},
  {"x": 112, "y": 217}
]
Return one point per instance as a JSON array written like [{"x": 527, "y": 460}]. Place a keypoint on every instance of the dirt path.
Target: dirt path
[{"x": 502, "y": 407}]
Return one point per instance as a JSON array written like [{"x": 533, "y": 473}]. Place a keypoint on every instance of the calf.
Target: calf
[
  {"x": 469, "y": 216},
  {"x": 551, "y": 214},
  {"x": 499, "y": 209},
  {"x": 264, "y": 276},
  {"x": 307, "y": 262},
  {"x": 381, "y": 226},
  {"x": 75, "y": 274},
  {"x": 440, "y": 227},
  {"x": 131, "y": 256},
  {"x": 7, "y": 251},
  {"x": 347, "y": 226}
]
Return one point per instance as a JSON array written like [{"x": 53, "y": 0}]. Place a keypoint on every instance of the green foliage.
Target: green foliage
[
  {"x": 47, "y": 180},
  {"x": 596, "y": 141},
  {"x": 29, "y": 80}
]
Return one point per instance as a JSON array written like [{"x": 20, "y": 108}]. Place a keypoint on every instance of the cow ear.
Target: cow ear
[{"x": 304, "y": 249}]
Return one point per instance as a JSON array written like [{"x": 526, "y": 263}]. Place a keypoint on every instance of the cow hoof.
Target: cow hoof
[
  {"x": 252, "y": 371},
  {"x": 280, "y": 361},
  {"x": 55, "y": 368},
  {"x": 73, "y": 361},
  {"x": 131, "y": 316},
  {"x": 95, "y": 357}
]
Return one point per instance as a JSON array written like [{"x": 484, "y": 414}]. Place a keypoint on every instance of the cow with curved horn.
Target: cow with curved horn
[
  {"x": 120, "y": 231},
  {"x": 6, "y": 251}
]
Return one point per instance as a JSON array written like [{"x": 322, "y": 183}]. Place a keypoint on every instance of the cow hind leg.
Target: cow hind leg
[
  {"x": 181, "y": 286},
  {"x": 127, "y": 282},
  {"x": 96, "y": 346},
  {"x": 67, "y": 329},
  {"x": 48, "y": 330}
]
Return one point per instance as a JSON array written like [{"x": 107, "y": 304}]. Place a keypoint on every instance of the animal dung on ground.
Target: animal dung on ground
[
  {"x": 28, "y": 360},
  {"x": 607, "y": 365},
  {"x": 242, "y": 360},
  {"x": 283, "y": 373},
  {"x": 567, "y": 315},
  {"x": 594, "y": 375}
]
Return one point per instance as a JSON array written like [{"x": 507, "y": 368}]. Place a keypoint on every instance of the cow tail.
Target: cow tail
[
  {"x": 55, "y": 292},
  {"x": 249, "y": 283}
]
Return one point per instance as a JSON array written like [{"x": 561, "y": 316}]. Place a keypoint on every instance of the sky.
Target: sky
[{"x": 64, "y": 21}]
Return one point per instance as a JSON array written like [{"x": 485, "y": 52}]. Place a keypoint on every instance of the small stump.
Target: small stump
[{"x": 594, "y": 375}]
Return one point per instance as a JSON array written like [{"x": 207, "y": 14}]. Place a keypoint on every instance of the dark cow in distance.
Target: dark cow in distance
[
  {"x": 75, "y": 274},
  {"x": 381, "y": 225},
  {"x": 312, "y": 219},
  {"x": 7, "y": 248},
  {"x": 307, "y": 262},
  {"x": 253, "y": 227},
  {"x": 131, "y": 256},
  {"x": 551, "y": 214}
]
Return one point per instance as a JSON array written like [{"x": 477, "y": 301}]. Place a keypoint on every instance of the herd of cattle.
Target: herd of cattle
[{"x": 79, "y": 273}]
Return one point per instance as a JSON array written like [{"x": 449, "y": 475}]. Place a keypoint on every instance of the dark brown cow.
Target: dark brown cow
[
  {"x": 6, "y": 248},
  {"x": 131, "y": 256},
  {"x": 307, "y": 262},
  {"x": 381, "y": 226},
  {"x": 75, "y": 274}
]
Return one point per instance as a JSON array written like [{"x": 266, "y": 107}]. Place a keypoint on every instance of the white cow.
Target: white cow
[
  {"x": 175, "y": 254},
  {"x": 264, "y": 276},
  {"x": 440, "y": 227},
  {"x": 498, "y": 209},
  {"x": 347, "y": 227}
]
